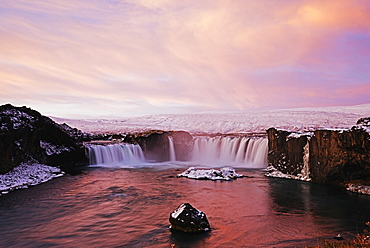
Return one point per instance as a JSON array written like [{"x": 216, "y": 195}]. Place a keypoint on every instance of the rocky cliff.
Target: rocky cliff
[
  {"x": 26, "y": 135},
  {"x": 156, "y": 145},
  {"x": 323, "y": 156}
]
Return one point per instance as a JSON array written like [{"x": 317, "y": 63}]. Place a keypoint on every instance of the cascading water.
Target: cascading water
[
  {"x": 233, "y": 151},
  {"x": 206, "y": 151},
  {"x": 115, "y": 154},
  {"x": 172, "y": 149}
]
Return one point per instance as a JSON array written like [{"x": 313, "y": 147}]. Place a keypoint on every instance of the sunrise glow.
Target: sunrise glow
[{"x": 138, "y": 57}]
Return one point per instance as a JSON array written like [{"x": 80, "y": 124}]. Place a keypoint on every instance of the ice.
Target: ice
[
  {"x": 294, "y": 120},
  {"x": 27, "y": 175}
]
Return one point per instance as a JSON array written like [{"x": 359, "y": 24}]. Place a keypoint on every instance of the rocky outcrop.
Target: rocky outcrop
[
  {"x": 286, "y": 151},
  {"x": 323, "y": 156},
  {"x": 26, "y": 135},
  {"x": 188, "y": 219},
  {"x": 156, "y": 145}
]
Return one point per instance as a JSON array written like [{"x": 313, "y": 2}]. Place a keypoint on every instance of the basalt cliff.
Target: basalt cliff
[
  {"x": 332, "y": 156},
  {"x": 28, "y": 136},
  {"x": 156, "y": 144}
]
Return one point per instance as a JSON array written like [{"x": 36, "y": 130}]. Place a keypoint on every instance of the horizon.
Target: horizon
[
  {"x": 353, "y": 109},
  {"x": 112, "y": 59}
]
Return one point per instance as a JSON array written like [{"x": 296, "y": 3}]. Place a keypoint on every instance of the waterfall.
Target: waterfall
[
  {"x": 115, "y": 154},
  {"x": 205, "y": 151},
  {"x": 172, "y": 149},
  {"x": 233, "y": 151}
]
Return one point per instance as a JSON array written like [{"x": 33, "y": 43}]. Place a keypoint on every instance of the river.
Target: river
[{"x": 130, "y": 207}]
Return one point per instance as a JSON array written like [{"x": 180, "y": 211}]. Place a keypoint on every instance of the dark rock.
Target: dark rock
[
  {"x": 188, "y": 219},
  {"x": 286, "y": 151},
  {"x": 328, "y": 156},
  {"x": 27, "y": 135},
  {"x": 338, "y": 237},
  {"x": 156, "y": 145},
  {"x": 364, "y": 121},
  {"x": 340, "y": 156},
  {"x": 183, "y": 143}
]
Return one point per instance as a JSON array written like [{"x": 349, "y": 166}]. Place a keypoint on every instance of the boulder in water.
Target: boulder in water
[{"x": 188, "y": 219}]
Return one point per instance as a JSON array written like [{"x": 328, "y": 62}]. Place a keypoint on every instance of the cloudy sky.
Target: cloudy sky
[{"x": 78, "y": 58}]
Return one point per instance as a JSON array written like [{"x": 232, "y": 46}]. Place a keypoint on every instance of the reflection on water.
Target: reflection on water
[{"x": 106, "y": 207}]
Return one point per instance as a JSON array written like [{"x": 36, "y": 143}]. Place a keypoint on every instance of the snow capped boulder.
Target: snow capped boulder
[
  {"x": 188, "y": 219},
  {"x": 226, "y": 173},
  {"x": 26, "y": 135}
]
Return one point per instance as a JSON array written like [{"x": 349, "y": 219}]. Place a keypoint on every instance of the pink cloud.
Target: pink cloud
[{"x": 142, "y": 56}]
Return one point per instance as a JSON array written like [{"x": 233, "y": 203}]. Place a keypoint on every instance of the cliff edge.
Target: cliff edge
[{"x": 332, "y": 156}]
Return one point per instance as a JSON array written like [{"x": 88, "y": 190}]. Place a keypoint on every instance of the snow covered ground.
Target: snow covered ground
[
  {"x": 303, "y": 119},
  {"x": 27, "y": 175}
]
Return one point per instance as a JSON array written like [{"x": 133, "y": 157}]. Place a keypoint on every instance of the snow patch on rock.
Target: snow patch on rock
[
  {"x": 359, "y": 188},
  {"x": 53, "y": 149},
  {"x": 26, "y": 175},
  {"x": 299, "y": 134},
  {"x": 273, "y": 172},
  {"x": 226, "y": 173},
  {"x": 18, "y": 119},
  {"x": 178, "y": 211}
]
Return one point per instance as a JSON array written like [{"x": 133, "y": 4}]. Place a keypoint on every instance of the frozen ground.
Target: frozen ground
[
  {"x": 27, "y": 175},
  {"x": 304, "y": 119}
]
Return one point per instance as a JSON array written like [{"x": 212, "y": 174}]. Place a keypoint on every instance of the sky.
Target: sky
[{"x": 110, "y": 58}]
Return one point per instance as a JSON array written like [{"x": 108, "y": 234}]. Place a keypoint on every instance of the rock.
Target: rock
[
  {"x": 324, "y": 156},
  {"x": 226, "y": 173},
  {"x": 156, "y": 145},
  {"x": 287, "y": 150},
  {"x": 26, "y": 135},
  {"x": 188, "y": 219},
  {"x": 338, "y": 237}
]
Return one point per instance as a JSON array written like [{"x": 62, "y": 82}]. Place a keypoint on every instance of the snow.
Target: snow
[
  {"x": 298, "y": 135},
  {"x": 18, "y": 119},
  {"x": 26, "y": 175},
  {"x": 178, "y": 211},
  {"x": 53, "y": 149},
  {"x": 294, "y": 120},
  {"x": 359, "y": 188},
  {"x": 226, "y": 173},
  {"x": 273, "y": 172},
  {"x": 364, "y": 124}
]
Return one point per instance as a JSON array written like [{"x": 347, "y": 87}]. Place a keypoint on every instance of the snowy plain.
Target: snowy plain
[{"x": 302, "y": 119}]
